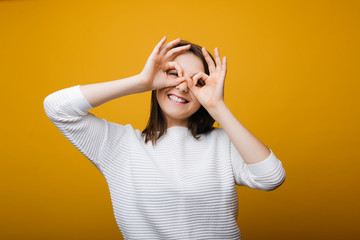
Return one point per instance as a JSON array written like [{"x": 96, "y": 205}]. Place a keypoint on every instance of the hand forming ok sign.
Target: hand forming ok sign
[
  {"x": 212, "y": 93},
  {"x": 154, "y": 73}
]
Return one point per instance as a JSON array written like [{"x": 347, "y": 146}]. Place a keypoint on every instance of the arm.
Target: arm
[
  {"x": 100, "y": 93},
  {"x": 251, "y": 148},
  {"x": 68, "y": 108},
  {"x": 152, "y": 77},
  {"x": 68, "y": 111},
  {"x": 254, "y": 164}
]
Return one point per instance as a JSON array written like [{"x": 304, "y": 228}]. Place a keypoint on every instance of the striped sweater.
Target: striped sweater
[{"x": 181, "y": 188}]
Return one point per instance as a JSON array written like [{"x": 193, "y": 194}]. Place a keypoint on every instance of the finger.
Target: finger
[
  {"x": 169, "y": 45},
  {"x": 173, "y": 65},
  {"x": 158, "y": 46},
  {"x": 171, "y": 82},
  {"x": 195, "y": 90},
  {"x": 209, "y": 61},
  {"x": 224, "y": 67},
  {"x": 200, "y": 76},
  {"x": 175, "y": 51},
  {"x": 217, "y": 58}
]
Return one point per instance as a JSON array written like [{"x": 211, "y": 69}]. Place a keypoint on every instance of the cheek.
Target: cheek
[
  {"x": 161, "y": 97},
  {"x": 159, "y": 94},
  {"x": 196, "y": 104},
  {"x": 194, "y": 98}
]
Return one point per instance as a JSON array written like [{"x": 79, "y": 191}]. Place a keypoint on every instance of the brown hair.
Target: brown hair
[{"x": 200, "y": 122}]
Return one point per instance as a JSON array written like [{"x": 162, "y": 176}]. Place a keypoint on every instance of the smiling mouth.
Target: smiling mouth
[{"x": 177, "y": 99}]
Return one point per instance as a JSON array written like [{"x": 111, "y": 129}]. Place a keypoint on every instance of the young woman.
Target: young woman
[{"x": 176, "y": 179}]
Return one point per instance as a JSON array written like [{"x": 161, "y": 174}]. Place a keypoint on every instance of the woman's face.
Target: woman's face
[{"x": 176, "y": 112}]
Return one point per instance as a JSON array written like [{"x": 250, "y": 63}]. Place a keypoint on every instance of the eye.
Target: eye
[
  {"x": 200, "y": 83},
  {"x": 173, "y": 73}
]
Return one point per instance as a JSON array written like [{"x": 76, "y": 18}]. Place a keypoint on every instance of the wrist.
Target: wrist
[
  {"x": 144, "y": 82},
  {"x": 215, "y": 109}
]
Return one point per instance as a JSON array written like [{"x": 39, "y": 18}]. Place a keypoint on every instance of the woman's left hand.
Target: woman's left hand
[{"x": 212, "y": 93}]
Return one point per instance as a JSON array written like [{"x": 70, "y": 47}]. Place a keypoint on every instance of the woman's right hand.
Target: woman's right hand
[{"x": 155, "y": 73}]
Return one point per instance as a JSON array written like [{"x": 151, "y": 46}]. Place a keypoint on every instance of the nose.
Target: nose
[{"x": 183, "y": 87}]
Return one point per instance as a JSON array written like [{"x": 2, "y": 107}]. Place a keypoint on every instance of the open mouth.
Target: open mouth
[{"x": 177, "y": 99}]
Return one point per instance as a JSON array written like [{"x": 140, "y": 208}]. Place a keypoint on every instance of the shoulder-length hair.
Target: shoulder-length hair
[{"x": 200, "y": 122}]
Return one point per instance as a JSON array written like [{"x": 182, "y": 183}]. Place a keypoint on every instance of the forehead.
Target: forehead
[{"x": 190, "y": 63}]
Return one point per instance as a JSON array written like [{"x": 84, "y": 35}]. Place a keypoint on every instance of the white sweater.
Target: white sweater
[{"x": 182, "y": 188}]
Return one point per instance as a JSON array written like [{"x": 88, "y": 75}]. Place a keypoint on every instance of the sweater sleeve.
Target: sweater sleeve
[
  {"x": 266, "y": 175},
  {"x": 68, "y": 111}
]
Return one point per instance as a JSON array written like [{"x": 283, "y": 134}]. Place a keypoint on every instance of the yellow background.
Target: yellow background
[{"x": 293, "y": 81}]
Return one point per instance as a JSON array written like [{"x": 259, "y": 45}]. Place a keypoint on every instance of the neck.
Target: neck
[{"x": 177, "y": 122}]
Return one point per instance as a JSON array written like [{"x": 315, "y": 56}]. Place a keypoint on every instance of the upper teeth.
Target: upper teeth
[{"x": 176, "y": 99}]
